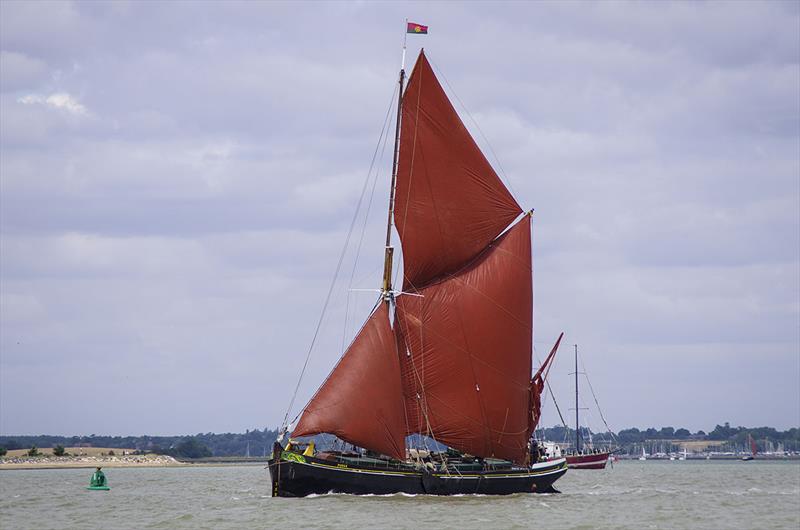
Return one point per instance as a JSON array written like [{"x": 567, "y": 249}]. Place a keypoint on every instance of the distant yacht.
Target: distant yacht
[
  {"x": 753, "y": 449},
  {"x": 644, "y": 455},
  {"x": 585, "y": 457}
]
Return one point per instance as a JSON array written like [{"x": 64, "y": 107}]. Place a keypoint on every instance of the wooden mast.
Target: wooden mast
[{"x": 386, "y": 288}]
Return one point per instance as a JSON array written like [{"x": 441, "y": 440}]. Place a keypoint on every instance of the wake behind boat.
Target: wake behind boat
[{"x": 448, "y": 357}]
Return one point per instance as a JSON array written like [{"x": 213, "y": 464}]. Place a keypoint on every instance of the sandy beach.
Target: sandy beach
[{"x": 91, "y": 457}]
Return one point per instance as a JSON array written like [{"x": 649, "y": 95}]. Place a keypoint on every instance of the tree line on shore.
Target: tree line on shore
[
  {"x": 628, "y": 439},
  {"x": 199, "y": 445},
  {"x": 258, "y": 443}
]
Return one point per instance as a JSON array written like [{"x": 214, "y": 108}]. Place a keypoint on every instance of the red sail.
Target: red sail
[
  {"x": 361, "y": 401},
  {"x": 537, "y": 386},
  {"x": 466, "y": 350},
  {"x": 450, "y": 204}
]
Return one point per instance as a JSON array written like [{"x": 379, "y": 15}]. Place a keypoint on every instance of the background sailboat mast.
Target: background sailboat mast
[
  {"x": 389, "y": 253},
  {"x": 577, "y": 425}
]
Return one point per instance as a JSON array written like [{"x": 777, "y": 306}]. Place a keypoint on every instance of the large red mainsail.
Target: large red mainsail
[
  {"x": 450, "y": 204},
  {"x": 467, "y": 358},
  {"x": 361, "y": 402}
]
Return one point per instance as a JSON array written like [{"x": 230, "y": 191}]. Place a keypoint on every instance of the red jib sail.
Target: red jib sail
[
  {"x": 467, "y": 352},
  {"x": 450, "y": 204},
  {"x": 361, "y": 401},
  {"x": 537, "y": 386}
]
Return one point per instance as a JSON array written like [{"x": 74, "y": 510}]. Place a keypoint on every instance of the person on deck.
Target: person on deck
[{"x": 98, "y": 478}]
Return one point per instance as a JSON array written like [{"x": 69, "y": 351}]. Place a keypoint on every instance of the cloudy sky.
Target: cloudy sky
[{"x": 178, "y": 180}]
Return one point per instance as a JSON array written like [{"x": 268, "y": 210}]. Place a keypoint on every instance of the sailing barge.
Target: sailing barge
[{"x": 449, "y": 356}]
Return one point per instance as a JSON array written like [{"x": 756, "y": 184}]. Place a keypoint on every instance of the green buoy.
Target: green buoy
[{"x": 98, "y": 481}]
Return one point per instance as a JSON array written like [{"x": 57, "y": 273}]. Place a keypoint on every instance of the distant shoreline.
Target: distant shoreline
[
  {"x": 112, "y": 461},
  {"x": 77, "y": 462}
]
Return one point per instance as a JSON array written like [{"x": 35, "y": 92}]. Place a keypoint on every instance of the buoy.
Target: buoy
[{"x": 98, "y": 481}]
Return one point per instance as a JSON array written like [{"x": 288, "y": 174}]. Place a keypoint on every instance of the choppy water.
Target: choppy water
[{"x": 678, "y": 494}]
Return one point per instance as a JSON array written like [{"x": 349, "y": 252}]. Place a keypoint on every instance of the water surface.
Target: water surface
[{"x": 677, "y": 494}]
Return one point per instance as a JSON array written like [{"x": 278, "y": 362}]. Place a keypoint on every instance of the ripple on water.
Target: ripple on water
[{"x": 715, "y": 495}]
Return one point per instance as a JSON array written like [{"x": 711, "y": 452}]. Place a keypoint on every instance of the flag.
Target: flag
[{"x": 413, "y": 27}]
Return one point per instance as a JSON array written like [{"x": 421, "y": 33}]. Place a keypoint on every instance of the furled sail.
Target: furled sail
[
  {"x": 450, "y": 204},
  {"x": 361, "y": 401},
  {"x": 466, "y": 351},
  {"x": 537, "y": 386}
]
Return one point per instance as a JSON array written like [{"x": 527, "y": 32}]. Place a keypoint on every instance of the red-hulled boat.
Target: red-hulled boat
[{"x": 588, "y": 460}]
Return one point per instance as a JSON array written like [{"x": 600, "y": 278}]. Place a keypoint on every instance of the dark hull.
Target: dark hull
[{"x": 292, "y": 478}]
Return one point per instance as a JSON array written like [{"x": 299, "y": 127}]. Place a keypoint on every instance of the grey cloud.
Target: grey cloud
[
  {"x": 19, "y": 71},
  {"x": 177, "y": 239}
]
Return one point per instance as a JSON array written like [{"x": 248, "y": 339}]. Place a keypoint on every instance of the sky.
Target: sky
[{"x": 178, "y": 179}]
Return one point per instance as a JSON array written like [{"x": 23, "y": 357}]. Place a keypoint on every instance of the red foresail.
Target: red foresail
[
  {"x": 450, "y": 204},
  {"x": 537, "y": 386},
  {"x": 465, "y": 346},
  {"x": 361, "y": 401}
]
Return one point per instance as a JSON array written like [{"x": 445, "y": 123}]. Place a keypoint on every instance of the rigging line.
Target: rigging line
[
  {"x": 485, "y": 139},
  {"x": 540, "y": 420},
  {"x": 333, "y": 281},
  {"x": 385, "y": 136},
  {"x": 596, "y": 402},
  {"x": 422, "y": 402},
  {"x": 346, "y": 314},
  {"x": 370, "y": 274},
  {"x": 586, "y": 419},
  {"x": 415, "y": 372},
  {"x": 558, "y": 409}
]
